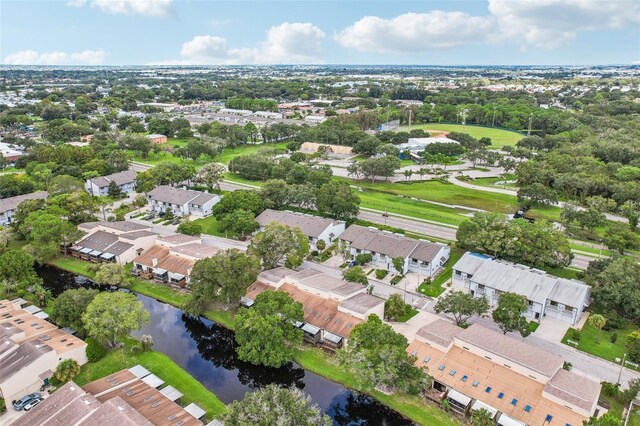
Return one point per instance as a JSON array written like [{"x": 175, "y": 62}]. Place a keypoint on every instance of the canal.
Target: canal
[{"x": 207, "y": 351}]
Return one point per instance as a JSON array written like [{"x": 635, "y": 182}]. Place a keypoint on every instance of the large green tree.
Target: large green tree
[
  {"x": 46, "y": 232},
  {"x": 615, "y": 286},
  {"x": 241, "y": 222},
  {"x": 69, "y": 306},
  {"x": 337, "y": 200},
  {"x": 378, "y": 355},
  {"x": 508, "y": 313},
  {"x": 461, "y": 306},
  {"x": 280, "y": 243},
  {"x": 266, "y": 333},
  {"x": 239, "y": 200},
  {"x": 17, "y": 265},
  {"x": 112, "y": 316},
  {"x": 222, "y": 278},
  {"x": 273, "y": 405},
  {"x": 110, "y": 274}
]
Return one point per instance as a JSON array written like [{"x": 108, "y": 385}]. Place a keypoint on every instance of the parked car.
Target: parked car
[
  {"x": 33, "y": 403},
  {"x": 175, "y": 221},
  {"x": 19, "y": 404}
]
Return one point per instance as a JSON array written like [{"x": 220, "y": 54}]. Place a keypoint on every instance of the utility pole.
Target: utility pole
[
  {"x": 621, "y": 367},
  {"x": 493, "y": 122},
  {"x": 530, "y": 120}
]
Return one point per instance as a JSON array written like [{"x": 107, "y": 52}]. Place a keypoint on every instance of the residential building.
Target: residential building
[
  {"x": 10, "y": 154},
  {"x": 548, "y": 296},
  {"x": 171, "y": 259},
  {"x": 157, "y": 138},
  {"x": 420, "y": 256},
  {"x": 181, "y": 202},
  {"x": 315, "y": 228},
  {"x": 128, "y": 398},
  {"x": 332, "y": 307},
  {"x": 99, "y": 186},
  {"x": 118, "y": 242},
  {"x": 517, "y": 383},
  {"x": 8, "y": 205},
  {"x": 30, "y": 349}
]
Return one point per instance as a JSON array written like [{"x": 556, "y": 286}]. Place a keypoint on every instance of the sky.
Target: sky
[{"x": 212, "y": 32}]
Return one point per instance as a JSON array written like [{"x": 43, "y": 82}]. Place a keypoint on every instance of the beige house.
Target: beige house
[{"x": 118, "y": 242}]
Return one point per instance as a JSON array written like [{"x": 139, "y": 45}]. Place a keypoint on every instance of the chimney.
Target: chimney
[
  {"x": 154, "y": 262},
  {"x": 189, "y": 272}
]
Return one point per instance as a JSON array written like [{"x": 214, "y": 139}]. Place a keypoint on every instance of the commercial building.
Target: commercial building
[
  {"x": 332, "y": 307},
  {"x": 331, "y": 150},
  {"x": 118, "y": 242},
  {"x": 8, "y": 205},
  {"x": 517, "y": 383},
  {"x": 99, "y": 186},
  {"x": 415, "y": 146},
  {"x": 420, "y": 256},
  {"x": 181, "y": 202},
  {"x": 30, "y": 349},
  {"x": 313, "y": 227},
  {"x": 548, "y": 296},
  {"x": 128, "y": 398}
]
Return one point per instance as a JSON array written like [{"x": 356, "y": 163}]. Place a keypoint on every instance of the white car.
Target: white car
[{"x": 33, "y": 403}]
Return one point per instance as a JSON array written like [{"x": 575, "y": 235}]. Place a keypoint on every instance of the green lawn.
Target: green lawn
[
  {"x": 229, "y": 153},
  {"x": 413, "y": 407},
  {"x": 435, "y": 289},
  {"x": 210, "y": 226},
  {"x": 160, "y": 365},
  {"x": 605, "y": 349},
  {"x": 616, "y": 408},
  {"x": 499, "y": 137},
  {"x": 491, "y": 182},
  {"x": 408, "y": 315},
  {"x": 567, "y": 273},
  {"x": 235, "y": 178}
]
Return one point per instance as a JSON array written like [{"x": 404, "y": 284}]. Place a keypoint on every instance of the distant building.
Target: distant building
[
  {"x": 157, "y": 138},
  {"x": 240, "y": 112},
  {"x": 268, "y": 114},
  {"x": 315, "y": 119},
  {"x": 30, "y": 349},
  {"x": 548, "y": 296},
  {"x": 419, "y": 256},
  {"x": 8, "y": 205},
  {"x": 181, "y": 202},
  {"x": 415, "y": 146},
  {"x": 313, "y": 227},
  {"x": 99, "y": 186},
  {"x": 10, "y": 154},
  {"x": 332, "y": 150}
]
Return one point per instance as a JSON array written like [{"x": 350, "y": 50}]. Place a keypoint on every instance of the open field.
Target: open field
[
  {"x": 229, "y": 153},
  {"x": 210, "y": 226},
  {"x": 605, "y": 349},
  {"x": 160, "y": 365},
  {"x": 499, "y": 137}
]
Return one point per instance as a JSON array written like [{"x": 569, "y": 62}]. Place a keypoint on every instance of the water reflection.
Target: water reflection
[{"x": 207, "y": 352}]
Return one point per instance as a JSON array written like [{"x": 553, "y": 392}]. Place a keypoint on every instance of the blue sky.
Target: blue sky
[{"x": 458, "y": 32}]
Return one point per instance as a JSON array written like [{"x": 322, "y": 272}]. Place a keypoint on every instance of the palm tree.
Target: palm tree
[{"x": 597, "y": 321}]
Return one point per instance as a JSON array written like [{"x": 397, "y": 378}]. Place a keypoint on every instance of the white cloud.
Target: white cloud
[
  {"x": 543, "y": 23},
  {"x": 128, "y": 7},
  {"x": 31, "y": 57},
  {"x": 550, "y": 23},
  {"x": 415, "y": 32},
  {"x": 284, "y": 44}
]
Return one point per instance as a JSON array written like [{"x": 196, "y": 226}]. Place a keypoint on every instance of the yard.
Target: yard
[
  {"x": 436, "y": 288},
  {"x": 605, "y": 349},
  {"x": 210, "y": 226},
  {"x": 160, "y": 365},
  {"x": 499, "y": 137}
]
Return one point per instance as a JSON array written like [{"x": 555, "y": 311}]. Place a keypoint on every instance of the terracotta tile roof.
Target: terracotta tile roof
[{"x": 165, "y": 260}]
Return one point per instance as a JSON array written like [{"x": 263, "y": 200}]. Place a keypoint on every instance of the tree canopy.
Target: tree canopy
[
  {"x": 112, "y": 316},
  {"x": 280, "y": 243}
]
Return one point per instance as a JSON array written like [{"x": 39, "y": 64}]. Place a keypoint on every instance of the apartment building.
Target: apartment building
[
  {"x": 8, "y": 205},
  {"x": 99, "y": 186},
  {"x": 181, "y": 202},
  {"x": 118, "y": 242}
]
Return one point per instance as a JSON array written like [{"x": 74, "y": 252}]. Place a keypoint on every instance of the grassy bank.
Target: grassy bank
[{"x": 160, "y": 365}]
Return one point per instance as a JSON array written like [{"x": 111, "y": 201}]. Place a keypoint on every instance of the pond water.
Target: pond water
[{"x": 207, "y": 351}]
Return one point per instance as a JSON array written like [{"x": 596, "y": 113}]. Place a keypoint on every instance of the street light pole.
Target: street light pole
[{"x": 621, "y": 367}]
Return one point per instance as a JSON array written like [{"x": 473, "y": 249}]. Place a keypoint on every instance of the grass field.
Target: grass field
[
  {"x": 605, "y": 349},
  {"x": 499, "y": 137},
  {"x": 229, "y": 153},
  {"x": 210, "y": 226},
  {"x": 160, "y": 365}
]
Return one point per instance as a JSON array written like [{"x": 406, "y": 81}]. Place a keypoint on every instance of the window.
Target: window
[
  {"x": 426, "y": 359},
  {"x": 527, "y": 408},
  {"x": 548, "y": 418},
  {"x": 464, "y": 378},
  {"x": 501, "y": 395},
  {"x": 552, "y": 303},
  {"x": 480, "y": 286},
  {"x": 488, "y": 389},
  {"x": 514, "y": 402},
  {"x": 458, "y": 273},
  {"x": 452, "y": 372},
  {"x": 441, "y": 367}
]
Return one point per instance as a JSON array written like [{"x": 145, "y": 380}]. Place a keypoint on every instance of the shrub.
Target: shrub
[
  {"x": 314, "y": 253},
  {"x": 381, "y": 273},
  {"x": 614, "y": 322},
  {"x": 610, "y": 389},
  {"x": 189, "y": 228},
  {"x": 95, "y": 351},
  {"x": 613, "y": 338},
  {"x": 567, "y": 366},
  {"x": 395, "y": 280},
  {"x": 575, "y": 335},
  {"x": 363, "y": 258}
]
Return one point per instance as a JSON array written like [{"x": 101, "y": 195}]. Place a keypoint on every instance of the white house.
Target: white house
[
  {"x": 99, "y": 186},
  {"x": 315, "y": 228},
  {"x": 548, "y": 296},
  {"x": 420, "y": 256},
  {"x": 8, "y": 205},
  {"x": 181, "y": 202}
]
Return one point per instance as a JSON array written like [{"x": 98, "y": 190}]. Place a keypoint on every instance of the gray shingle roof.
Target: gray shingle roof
[
  {"x": 120, "y": 178},
  {"x": 169, "y": 194},
  {"x": 311, "y": 226},
  {"x": 574, "y": 389},
  {"x": 361, "y": 303},
  {"x": 8, "y": 204},
  {"x": 512, "y": 349},
  {"x": 470, "y": 262},
  {"x": 99, "y": 240},
  {"x": 26, "y": 354},
  {"x": 439, "y": 332}
]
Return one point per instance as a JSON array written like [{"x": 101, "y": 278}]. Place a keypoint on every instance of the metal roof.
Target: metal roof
[
  {"x": 139, "y": 371},
  {"x": 172, "y": 393},
  {"x": 153, "y": 381},
  {"x": 195, "y": 410}
]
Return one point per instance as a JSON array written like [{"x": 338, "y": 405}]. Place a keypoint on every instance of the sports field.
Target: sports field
[{"x": 499, "y": 137}]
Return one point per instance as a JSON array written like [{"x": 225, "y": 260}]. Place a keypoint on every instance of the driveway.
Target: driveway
[
  {"x": 409, "y": 328},
  {"x": 552, "y": 329}
]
